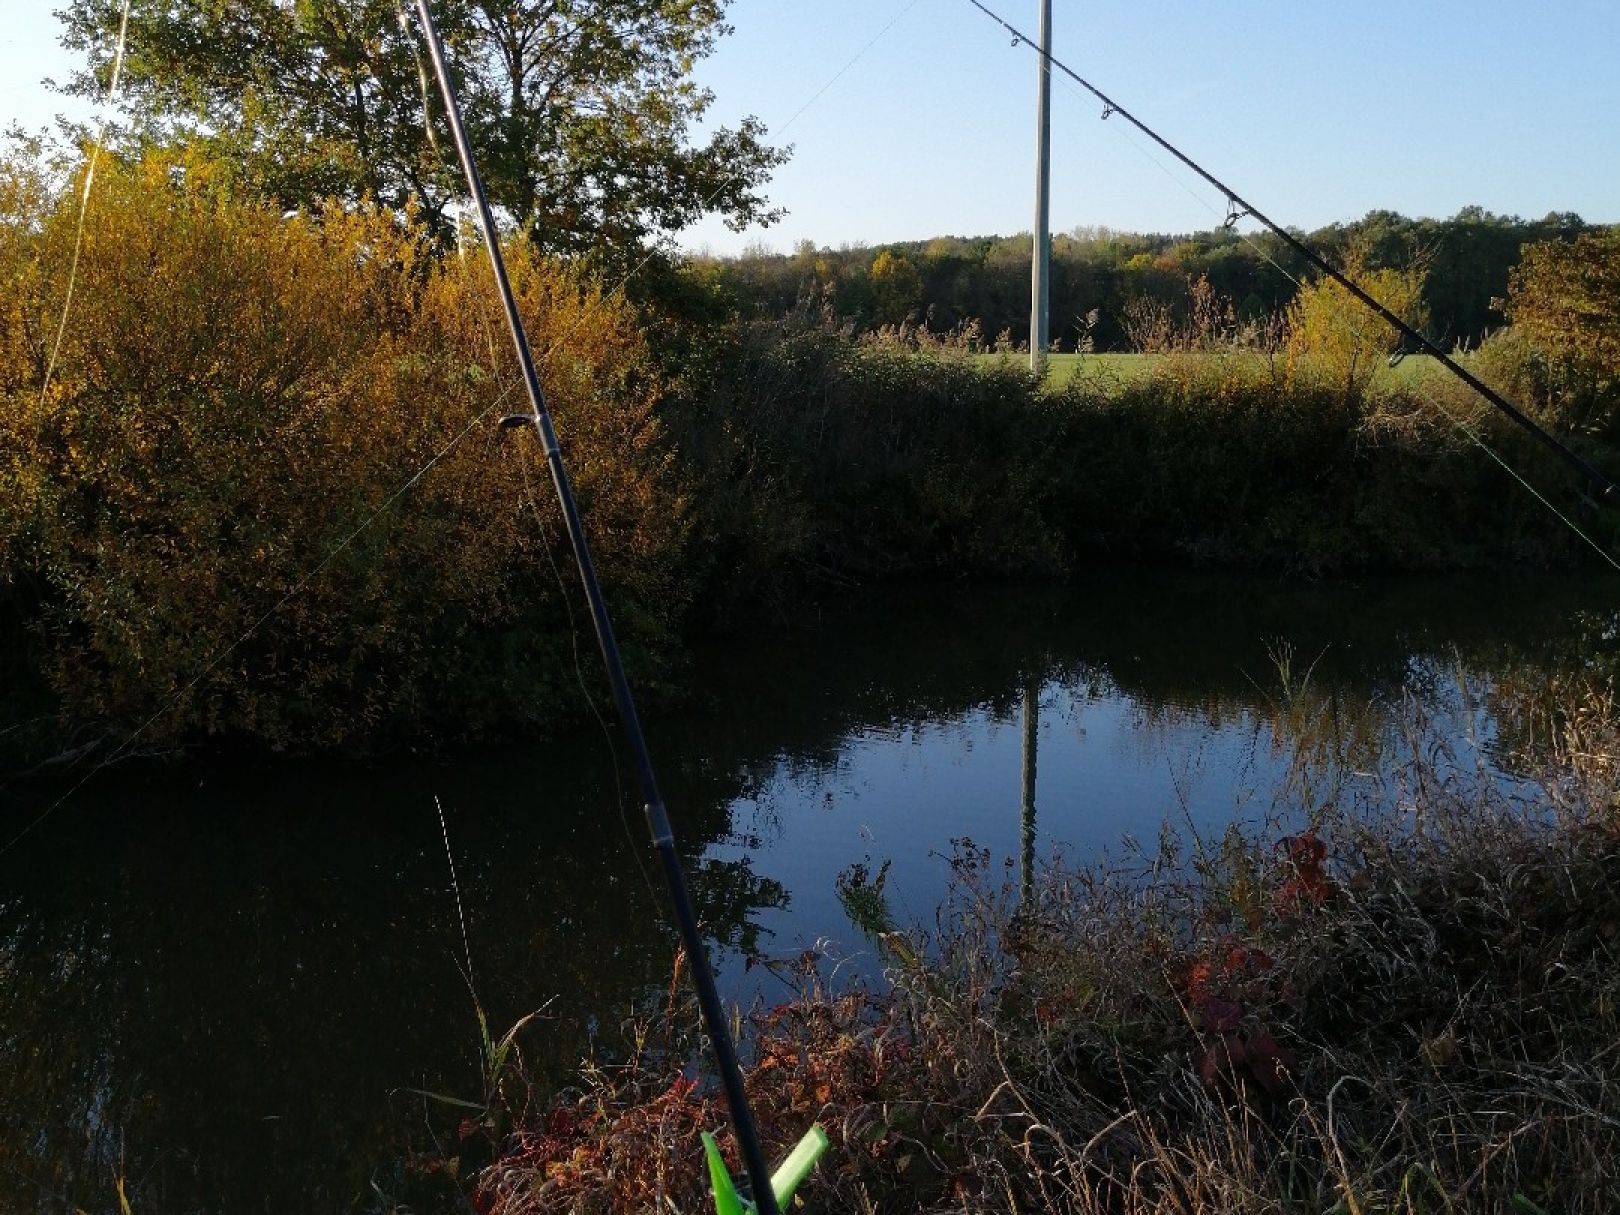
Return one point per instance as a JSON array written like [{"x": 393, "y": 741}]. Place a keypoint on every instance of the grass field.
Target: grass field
[{"x": 1126, "y": 368}]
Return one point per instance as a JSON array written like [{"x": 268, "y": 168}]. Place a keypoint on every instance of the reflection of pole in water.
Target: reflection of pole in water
[{"x": 1032, "y": 723}]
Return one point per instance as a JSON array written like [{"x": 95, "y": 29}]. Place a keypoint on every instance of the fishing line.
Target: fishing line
[
  {"x": 461, "y": 913},
  {"x": 1354, "y": 330},
  {"x": 732, "y": 180},
  {"x": 839, "y": 75},
  {"x": 84, "y": 207},
  {"x": 579, "y": 676},
  {"x": 1239, "y": 207}
]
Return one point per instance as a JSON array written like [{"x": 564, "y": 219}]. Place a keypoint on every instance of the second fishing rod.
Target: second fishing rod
[
  {"x": 658, "y": 824},
  {"x": 1239, "y": 207}
]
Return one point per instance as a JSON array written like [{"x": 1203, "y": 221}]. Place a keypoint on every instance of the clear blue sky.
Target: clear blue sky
[{"x": 1317, "y": 111}]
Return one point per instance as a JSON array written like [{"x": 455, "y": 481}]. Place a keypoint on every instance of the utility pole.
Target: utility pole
[{"x": 1040, "y": 330}]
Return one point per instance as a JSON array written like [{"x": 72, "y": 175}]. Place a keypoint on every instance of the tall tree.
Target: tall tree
[{"x": 581, "y": 111}]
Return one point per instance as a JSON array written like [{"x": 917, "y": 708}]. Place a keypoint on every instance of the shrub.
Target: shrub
[
  {"x": 1334, "y": 335},
  {"x": 211, "y": 512},
  {"x": 828, "y": 460},
  {"x": 1564, "y": 347}
]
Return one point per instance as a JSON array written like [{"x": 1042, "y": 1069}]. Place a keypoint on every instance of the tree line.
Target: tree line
[{"x": 951, "y": 282}]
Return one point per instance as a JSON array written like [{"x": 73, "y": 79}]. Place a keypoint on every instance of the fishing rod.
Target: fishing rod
[
  {"x": 1238, "y": 207},
  {"x": 769, "y": 1194}
]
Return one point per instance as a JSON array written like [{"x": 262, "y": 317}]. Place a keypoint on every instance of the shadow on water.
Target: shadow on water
[{"x": 224, "y": 983}]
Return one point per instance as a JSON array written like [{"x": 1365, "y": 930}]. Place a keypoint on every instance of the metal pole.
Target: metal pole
[
  {"x": 714, "y": 1017},
  {"x": 1040, "y": 330}
]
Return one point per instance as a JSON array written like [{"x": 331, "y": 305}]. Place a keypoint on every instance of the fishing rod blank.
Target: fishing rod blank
[
  {"x": 1239, "y": 207},
  {"x": 714, "y": 1018}
]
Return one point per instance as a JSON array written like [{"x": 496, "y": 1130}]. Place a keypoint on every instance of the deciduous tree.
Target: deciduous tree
[
  {"x": 1566, "y": 298},
  {"x": 581, "y": 111}
]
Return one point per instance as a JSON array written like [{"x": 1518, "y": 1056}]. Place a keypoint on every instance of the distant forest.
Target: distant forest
[{"x": 952, "y": 281}]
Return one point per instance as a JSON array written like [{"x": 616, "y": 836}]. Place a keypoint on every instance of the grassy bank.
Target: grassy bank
[
  {"x": 1112, "y": 368},
  {"x": 1413, "y": 1011},
  {"x": 866, "y": 460}
]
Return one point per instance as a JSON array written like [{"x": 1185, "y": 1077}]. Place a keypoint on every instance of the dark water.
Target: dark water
[{"x": 224, "y": 985}]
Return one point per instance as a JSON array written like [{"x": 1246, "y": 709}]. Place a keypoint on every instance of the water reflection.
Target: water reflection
[
  {"x": 222, "y": 981},
  {"x": 225, "y": 984}
]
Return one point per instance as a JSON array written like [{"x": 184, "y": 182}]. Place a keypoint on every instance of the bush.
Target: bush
[
  {"x": 825, "y": 460},
  {"x": 1333, "y": 334},
  {"x": 1563, "y": 349},
  {"x": 213, "y": 517}
]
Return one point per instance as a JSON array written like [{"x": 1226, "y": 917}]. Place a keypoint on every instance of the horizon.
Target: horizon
[{"x": 1084, "y": 233}]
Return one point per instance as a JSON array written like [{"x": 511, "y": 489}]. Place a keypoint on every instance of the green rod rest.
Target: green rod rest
[{"x": 800, "y": 1161}]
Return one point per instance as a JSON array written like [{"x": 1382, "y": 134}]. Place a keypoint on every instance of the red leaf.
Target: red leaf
[{"x": 1219, "y": 1015}]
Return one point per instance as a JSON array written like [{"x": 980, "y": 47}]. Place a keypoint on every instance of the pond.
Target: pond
[{"x": 232, "y": 985}]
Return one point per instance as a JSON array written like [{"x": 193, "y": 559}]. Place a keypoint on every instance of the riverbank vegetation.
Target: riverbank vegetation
[
  {"x": 256, "y": 490},
  {"x": 1353, "y": 1009}
]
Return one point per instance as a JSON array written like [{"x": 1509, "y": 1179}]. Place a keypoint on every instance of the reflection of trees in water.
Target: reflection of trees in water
[
  {"x": 1184, "y": 649},
  {"x": 226, "y": 1008}
]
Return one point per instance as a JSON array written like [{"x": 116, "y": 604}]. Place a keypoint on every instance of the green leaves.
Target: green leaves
[{"x": 580, "y": 111}]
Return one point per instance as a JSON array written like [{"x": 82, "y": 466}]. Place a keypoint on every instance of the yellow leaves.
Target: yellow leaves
[
  {"x": 1566, "y": 298},
  {"x": 1337, "y": 336},
  {"x": 242, "y": 397}
]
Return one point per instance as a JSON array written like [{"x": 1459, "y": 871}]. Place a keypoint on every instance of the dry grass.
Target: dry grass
[{"x": 1406, "y": 1011}]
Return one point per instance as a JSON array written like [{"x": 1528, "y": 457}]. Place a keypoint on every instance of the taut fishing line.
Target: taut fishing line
[
  {"x": 84, "y": 203},
  {"x": 461, "y": 912},
  {"x": 584, "y": 687}
]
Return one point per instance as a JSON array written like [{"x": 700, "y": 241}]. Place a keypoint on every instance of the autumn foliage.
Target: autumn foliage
[
  {"x": 263, "y": 491},
  {"x": 259, "y": 491},
  {"x": 1562, "y": 353}
]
